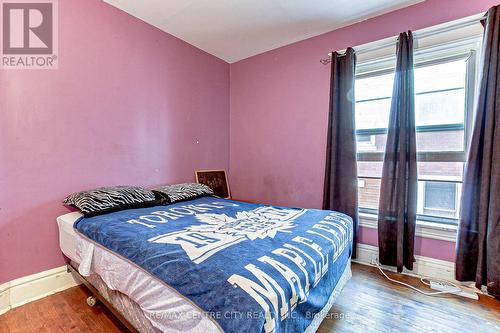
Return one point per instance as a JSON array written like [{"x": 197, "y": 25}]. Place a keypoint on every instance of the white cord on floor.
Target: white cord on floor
[{"x": 435, "y": 293}]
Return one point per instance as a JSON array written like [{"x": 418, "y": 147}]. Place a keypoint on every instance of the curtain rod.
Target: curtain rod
[{"x": 422, "y": 33}]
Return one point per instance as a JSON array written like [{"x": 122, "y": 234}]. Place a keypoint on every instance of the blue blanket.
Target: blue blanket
[{"x": 252, "y": 268}]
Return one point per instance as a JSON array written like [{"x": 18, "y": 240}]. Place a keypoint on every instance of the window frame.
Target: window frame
[{"x": 429, "y": 156}]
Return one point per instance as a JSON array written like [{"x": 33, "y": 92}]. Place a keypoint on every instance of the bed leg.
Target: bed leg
[{"x": 91, "y": 301}]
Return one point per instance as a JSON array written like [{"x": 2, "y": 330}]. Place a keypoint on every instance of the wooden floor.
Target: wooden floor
[{"x": 369, "y": 303}]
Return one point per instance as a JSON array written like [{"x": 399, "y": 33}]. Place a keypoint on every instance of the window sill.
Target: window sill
[{"x": 424, "y": 229}]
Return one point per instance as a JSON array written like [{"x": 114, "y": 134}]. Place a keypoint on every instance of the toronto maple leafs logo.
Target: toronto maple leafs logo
[{"x": 220, "y": 231}]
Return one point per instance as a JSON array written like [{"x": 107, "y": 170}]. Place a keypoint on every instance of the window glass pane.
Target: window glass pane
[
  {"x": 449, "y": 171},
  {"x": 373, "y": 101},
  {"x": 440, "y": 195},
  {"x": 374, "y": 87},
  {"x": 368, "y": 192},
  {"x": 369, "y": 169},
  {"x": 429, "y": 140},
  {"x": 444, "y": 175},
  {"x": 441, "y": 76},
  {"x": 439, "y": 108},
  {"x": 444, "y": 140},
  {"x": 371, "y": 142},
  {"x": 439, "y": 199},
  {"x": 433, "y": 106},
  {"x": 373, "y": 114}
]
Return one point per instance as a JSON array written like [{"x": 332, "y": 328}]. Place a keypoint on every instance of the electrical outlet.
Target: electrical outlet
[
  {"x": 374, "y": 259},
  {"x": 440, "y": 286}
]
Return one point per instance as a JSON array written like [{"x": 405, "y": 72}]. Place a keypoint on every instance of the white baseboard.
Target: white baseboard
[
  {"x": 424, "y": 266},
  {"x": 32, "y": 287}
]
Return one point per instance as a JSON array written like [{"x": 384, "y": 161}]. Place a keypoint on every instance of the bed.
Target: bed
[{"x": 213, "y": 265}]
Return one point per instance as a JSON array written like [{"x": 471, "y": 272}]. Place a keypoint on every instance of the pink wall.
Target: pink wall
[
  {"x": 129, "y": 104},
  {"x": 279, "y": 103}
]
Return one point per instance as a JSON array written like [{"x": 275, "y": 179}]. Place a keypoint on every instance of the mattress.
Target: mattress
[
  {"x": 164, "y": 307},
  {"x": 67, "y": 235}
]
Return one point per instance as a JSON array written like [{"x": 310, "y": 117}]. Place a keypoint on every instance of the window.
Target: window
[
  {"x": 443, "y": 95},
  {"x": 440, "y": 198}
]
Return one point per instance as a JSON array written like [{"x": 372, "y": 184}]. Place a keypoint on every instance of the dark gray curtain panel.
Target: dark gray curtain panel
[
  {"x": 341, "y": 176},
  {"x": 398, "y": 191},
  {"x": 478, "y": 243}
]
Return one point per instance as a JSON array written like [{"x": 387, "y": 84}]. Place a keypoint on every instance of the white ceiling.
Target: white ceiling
[{"x": 237, "y": 29}]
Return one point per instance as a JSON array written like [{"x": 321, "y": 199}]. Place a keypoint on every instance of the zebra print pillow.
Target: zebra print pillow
[
  {"x": 109, "y": 199},
  {"x": 180, "y": 192}
]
